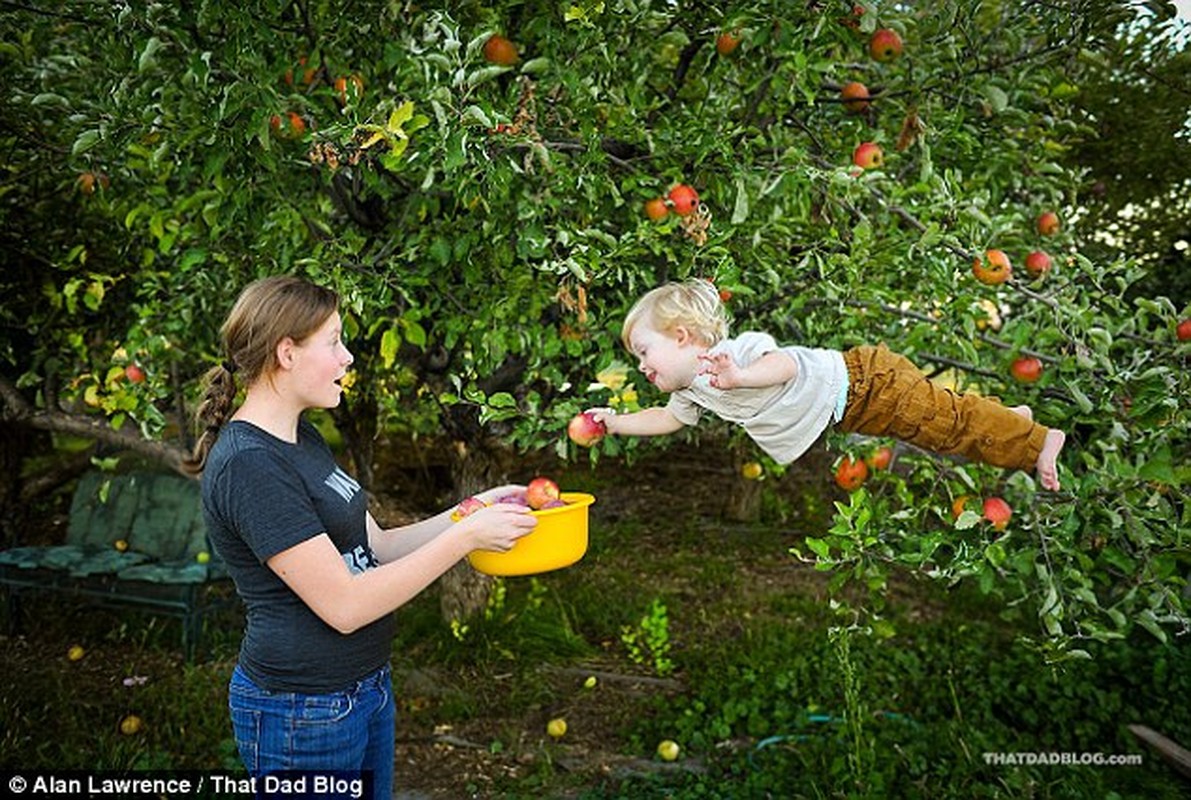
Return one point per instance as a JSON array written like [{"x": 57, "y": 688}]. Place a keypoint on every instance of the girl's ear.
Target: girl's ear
[
  {"x": 683, "y": 335},
  {"x": 285, "y": 353}
]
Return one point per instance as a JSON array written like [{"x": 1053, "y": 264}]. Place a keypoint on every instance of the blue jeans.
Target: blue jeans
[{"x": 328, "y": 741}]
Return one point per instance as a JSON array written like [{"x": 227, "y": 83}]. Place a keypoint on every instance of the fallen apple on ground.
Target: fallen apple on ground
[
  {"x": 668, "y": 750},
  {"x": 557, "y": 728}
]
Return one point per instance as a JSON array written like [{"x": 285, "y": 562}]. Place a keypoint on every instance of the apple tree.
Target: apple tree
[{"x": 482, "y": 208}]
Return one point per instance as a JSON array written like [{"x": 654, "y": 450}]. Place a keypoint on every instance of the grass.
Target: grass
[{"x": 774, "y": 693}]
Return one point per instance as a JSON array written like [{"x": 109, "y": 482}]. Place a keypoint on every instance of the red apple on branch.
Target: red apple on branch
[
  {"x": 1026, "y": 369},
  {"x": 849, "y": 475},
  {"x": 500, "y": 51},
  {"x": 994, "y": 268},
  {"x": 855, "y": 96},
  {"x": 868, "y": 155},
  {"x": 656, "y": 209},
  {"x": 1038, "y": 263},
  {"x": 134, "y": 374},
  {"x": 1183, "y": 331},
  {"x": 727, "y": 42},
  {"x": 1048, "y": 223},
  {"x": 684, "y": 199},
  {"x": 997, "y": 512},
  {"x": 885, "y": 45}
]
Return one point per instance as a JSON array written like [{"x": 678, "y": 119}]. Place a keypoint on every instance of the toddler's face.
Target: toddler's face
[{"x": 669, "y": 360}]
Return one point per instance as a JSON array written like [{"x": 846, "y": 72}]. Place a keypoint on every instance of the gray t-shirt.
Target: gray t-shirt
[
  {"x": 261, "y": 496},
  {"x": 785, "y": 420}
]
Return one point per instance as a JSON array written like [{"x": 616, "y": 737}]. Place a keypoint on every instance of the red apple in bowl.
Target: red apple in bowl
[
  {"x": 584, "y": 430},
  {"x": 541, "y": 492}
]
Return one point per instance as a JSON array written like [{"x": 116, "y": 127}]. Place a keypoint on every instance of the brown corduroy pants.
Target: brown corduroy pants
[{"x": 889, "y": 396}]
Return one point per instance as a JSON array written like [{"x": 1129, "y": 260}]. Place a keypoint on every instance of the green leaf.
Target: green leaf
[
  {"x": 85, "y": 141},
  {"x": 402, "y": 114},
  {"x": 818, "y": 546},
  {"x": 740, "y": 210},
  {"x": 390, "y": 340},
  {"x": 149, "y": 54}
]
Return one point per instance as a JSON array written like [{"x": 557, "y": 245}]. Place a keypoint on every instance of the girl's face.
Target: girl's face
[
  {"x": 669, "y": 360},
  {"x": 320, "y": 362}
]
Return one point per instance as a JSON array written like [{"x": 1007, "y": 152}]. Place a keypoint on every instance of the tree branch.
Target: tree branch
[{"x": 17, "y": 409}]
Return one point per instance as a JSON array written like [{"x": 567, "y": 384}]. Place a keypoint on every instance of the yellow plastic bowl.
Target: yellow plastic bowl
[{"x": 559, "y": 540}]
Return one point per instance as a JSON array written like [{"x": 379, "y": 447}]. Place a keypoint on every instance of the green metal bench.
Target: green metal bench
[{"x": 133, "y": 540}]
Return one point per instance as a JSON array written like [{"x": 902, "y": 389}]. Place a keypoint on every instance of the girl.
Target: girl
[{"x": 311, "y": 691}]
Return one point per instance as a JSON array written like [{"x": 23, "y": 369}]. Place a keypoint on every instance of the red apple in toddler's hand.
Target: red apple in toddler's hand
[
  {"x": 585, "y": 430},
  {"x": 541, "y": 492}
]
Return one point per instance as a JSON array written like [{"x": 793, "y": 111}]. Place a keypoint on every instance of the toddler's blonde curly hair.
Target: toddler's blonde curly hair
[{"x": 693, "y": 304}]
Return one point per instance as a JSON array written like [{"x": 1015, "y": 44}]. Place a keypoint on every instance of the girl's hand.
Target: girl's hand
[
  {"x": 724, "y": 372},
  {"x": 498, "y": 527},
  {"x": 604, "y": 415},
  {"x": 498, "y": 493}
]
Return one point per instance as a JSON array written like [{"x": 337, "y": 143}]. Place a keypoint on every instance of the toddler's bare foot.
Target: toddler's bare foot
[
  {"x": 1024, "y": 411},
  {"x": 1047, "y": 465}
]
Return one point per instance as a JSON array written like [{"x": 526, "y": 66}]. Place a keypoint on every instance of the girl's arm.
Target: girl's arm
[
  {"x": 317, "y": 573},
  {"x": 390, "y": 544},
  {"x": 650, "y": 422},
  {"x": 772, "y": 369}
]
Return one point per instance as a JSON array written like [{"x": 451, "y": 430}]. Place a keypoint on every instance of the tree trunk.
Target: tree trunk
[
  {"x": 357, "y": 422},
  {"x": 465, "y": 591}
]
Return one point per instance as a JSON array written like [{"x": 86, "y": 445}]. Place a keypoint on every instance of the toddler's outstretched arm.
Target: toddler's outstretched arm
[
  {"x": 770, "y": 369},
  {"x": 650, "y": 422}
]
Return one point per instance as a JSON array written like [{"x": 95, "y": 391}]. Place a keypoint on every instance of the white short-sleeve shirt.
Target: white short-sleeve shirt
[{"x": 785, "y": 420}]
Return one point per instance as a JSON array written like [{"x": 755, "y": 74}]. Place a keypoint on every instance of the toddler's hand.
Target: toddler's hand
[
  {"x": 724, "y": 372},
  {"x": 604, "y": 415}
]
